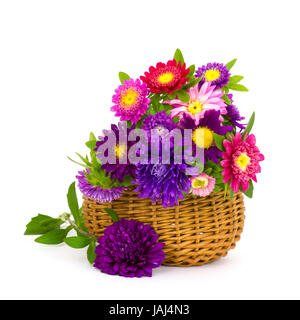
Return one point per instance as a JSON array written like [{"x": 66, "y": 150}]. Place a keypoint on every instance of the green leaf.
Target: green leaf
[
  {"x": 183, "y": 96},
  {"x": 226, "y": 189},
  {"x": 192, "y": 70},
  {"x": 54, "y": 237},
  {"x": 91, "y": 144},
  {"x": 178, "y": 56},
  {"x": 73, "y": 203},
  {"x": 249, "y": 126},
  {"x": 235, "y": 79},
  {"x": 231, "y": 194},
  {"x": 230, "y": 64},
  {"x": 225, "y": 89},
  {"x": 78, "y": 242},
  {"x": 226, "y": 99},
  {"x": 42, "y": 224},
  {"x": 217, "y": 189},
  {"x": 219, "y": 141},
  {"x": 91, "y": 255},
  {"x": 237, "y": 87},
  {"x": 249, "y": 192},
  {"x": 81, "y": 164},
  {"x": 92, "y": 137},
  {"x": 114, "y": 216},
  {"x": 123, "y": 76}
]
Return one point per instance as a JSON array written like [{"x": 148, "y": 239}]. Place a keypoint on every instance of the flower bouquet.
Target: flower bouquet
[{"x": 165, "y": 184}]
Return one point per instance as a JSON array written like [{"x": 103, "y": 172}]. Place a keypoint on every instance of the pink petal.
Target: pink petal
[
  {"x": 235, "y": 185},
  {"x": 245, "y": 186}
]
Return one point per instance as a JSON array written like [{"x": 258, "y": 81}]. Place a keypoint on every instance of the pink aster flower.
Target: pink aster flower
[
  {"x": 207, "y": 98},
  {"x": 131, "y": 101},
  {"x": 241, "y": 161},
  {"x": 202, "y": 185}
]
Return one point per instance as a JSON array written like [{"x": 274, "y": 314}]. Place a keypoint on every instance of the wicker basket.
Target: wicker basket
[{"x": 199, "y": 231}]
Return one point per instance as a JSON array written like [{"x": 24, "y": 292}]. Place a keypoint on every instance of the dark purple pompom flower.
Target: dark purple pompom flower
[
  {"x": 234, "y": 115},
  {"x": 215, "y": 73},
  {"x": 129, "y": 249}
]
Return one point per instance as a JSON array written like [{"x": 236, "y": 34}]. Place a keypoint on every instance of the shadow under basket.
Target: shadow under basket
[{"x": 198, "y": 231}]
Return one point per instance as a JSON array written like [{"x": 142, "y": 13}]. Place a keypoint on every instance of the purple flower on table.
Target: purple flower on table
[
  {"x": 203, "y": 133},
  {"x": 215, "y": 73},
  {"x": 95, "y": 192},
  {"x": 129, "y": 249}
]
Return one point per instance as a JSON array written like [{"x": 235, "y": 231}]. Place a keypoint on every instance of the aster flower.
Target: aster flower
[
  {"x": 96, "y": 192},
  {"x": 159, "y": 121},
  {"x": 241, "y": 161},
  {"x": 234, "y": 115},
  {"x": 130, "y": 100},
  {"x": 166, "y": 77},
  {"x": 202, "y": 185},
  {"x": 129, "y": 249},
  {"x": 165, "y": 182},
  {"x": 118, "y": 170},
  {"x": 203, "y": 133},
  {"x": 215, "y": 73},
  {"x": 207, "y": 98}
]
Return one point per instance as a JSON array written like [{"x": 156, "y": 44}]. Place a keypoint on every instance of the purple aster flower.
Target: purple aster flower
[
  {"x": 234, "y": 115},
  {"x": 215, "y": 73},
  {"x": 95, "y": 192},
  {"x": 203, "y": 133},
  {"x": 165, "y": 182},
  {"x": 130, "y": 100},
  {"x": 159, "y": 121},
  {"x": 160, "y": 125},
  {"x": 129, "y": 249},
  {"x": 118, "y": 170}
]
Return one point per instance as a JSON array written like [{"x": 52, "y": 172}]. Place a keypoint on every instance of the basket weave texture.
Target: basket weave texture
[{"x": 198, "y": 231}]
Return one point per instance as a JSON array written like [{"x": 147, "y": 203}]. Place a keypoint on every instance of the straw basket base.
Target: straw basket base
[{"x": 198, "y": 231}]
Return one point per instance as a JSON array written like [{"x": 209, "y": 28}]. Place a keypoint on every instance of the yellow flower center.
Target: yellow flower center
[
  {"x": 242, "y": 161},
  {"x": 120, "y": 151},
  {"x": 211, "y": 75},
  {"x": 203, "y": 138},
  {"x": 195, "y": 107},
  {"x": 129, "y": 97},
  {"x": 200, "y": 183},
  {"x": 166, "y": 77}
]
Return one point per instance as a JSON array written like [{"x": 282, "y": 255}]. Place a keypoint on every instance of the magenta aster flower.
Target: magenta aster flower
[
  {"x": 207, "y": 98},
  {"x": 202, "y": 185},
  {"x": 95, "y": 192},
  {"x": 167, "y": 77},
  {"x": 130, "y": 100},
  {"x": 241, "y": 161},
  {"x": 215, "y": 73},
  {"x": 203, "y": 133},
  {"x": 129, "y": 249}
]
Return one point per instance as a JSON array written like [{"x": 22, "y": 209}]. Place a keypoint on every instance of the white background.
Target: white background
[{"x": 59, "y": 64}]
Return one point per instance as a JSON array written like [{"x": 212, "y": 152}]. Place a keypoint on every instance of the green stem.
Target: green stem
[{"x": 73, "y": 224}]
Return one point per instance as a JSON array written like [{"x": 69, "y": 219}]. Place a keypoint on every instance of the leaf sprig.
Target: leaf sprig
[{"x": 51, "y": 232}]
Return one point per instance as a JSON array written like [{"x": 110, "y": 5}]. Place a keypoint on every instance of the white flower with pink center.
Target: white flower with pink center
[{"x": 202, "y": 185}]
